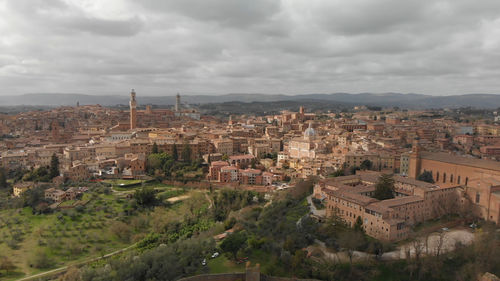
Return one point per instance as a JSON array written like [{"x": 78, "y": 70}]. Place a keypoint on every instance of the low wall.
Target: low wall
[
  {"x": 217, "y": 277},
  {"x": 238, "y": 276}
]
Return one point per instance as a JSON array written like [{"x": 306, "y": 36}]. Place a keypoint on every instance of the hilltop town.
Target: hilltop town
[{"x": 435, "y": 163}]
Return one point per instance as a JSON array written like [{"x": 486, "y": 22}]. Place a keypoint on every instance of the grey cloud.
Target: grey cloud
[
  {"x": 218, "y": 46},
  {"x": 228, "y": 13},
  {"x": 127, "y": 27}
]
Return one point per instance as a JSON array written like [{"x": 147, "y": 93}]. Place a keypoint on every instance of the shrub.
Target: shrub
[
  {"x": 40, "y": 259},
  {"x": 121, "y": 230}
]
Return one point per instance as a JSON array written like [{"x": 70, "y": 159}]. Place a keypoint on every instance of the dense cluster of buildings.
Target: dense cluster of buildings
[{"x": 94, "y": 141}]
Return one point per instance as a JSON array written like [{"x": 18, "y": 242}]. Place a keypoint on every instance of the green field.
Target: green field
[
  {"x": 118, "y": 182},
  {"x": 222, "y": 265},
  {"x": 106, "y": 223}
]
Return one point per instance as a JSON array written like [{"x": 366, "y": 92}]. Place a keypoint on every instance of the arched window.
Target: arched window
[
  {"x": 437, "y": 176},
  {"x": 451, "y": 178},
  {"x": 466, "y": 180},
  {"x": 458, "y": 180},
  {"x": 444, "y": 177}
]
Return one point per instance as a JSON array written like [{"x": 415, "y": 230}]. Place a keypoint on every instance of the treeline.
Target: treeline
[
  {"x": 166, "y": 262},
  {"x": 172, "y": 166}
]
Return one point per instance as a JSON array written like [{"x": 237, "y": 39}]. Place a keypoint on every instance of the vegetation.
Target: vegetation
[
  {"x": 35, "y": 237},
  {"x": 3, "y": 178},
  {"x": 426, "y": 176},
  {"x": 366, "y": 165},
  {"x": 145, "y": 196},
  {"x": 163, "y": 165},
  {"x": 337, "y": 173},
  {"x": 274, "y": 236},
  {"x": 54, "y": 166},
  {"x": 384, "y": 189},
  {"x": 234, "y": 243}
]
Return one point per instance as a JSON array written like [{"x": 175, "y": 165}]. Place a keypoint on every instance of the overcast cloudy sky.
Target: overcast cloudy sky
[{"x": 161, "y": 47}]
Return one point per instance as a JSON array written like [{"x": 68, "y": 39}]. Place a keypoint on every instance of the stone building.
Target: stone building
[{"x": 350, "y": 198}]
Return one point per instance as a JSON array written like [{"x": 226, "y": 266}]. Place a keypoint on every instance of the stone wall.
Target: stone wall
[{"x": 217, "y": 277}]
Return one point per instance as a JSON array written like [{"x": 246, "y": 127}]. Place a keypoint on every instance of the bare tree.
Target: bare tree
[
  {"x": 440, "y": 243},
  {"x": 351, "y": 241}
]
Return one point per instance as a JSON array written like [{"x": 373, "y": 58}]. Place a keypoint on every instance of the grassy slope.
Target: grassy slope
[{"x": 63, "y": 238}]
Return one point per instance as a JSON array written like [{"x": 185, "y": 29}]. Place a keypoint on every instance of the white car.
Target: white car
[
  {"x": 216, "y": 254},
  {"x": 204, "y": 262}
]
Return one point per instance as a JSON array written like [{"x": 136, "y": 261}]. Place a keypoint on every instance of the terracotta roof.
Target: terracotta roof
[
  {"x": 460, "y": 160},
  {"x": 353, "y": 197},
  {"x": 390, "y": 203}
]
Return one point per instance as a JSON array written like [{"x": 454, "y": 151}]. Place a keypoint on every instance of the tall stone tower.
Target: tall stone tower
[
  {"x": 414, "y": 165},
  {"x": 133, "y": 110},
  {"x": 177, "y": 103}
]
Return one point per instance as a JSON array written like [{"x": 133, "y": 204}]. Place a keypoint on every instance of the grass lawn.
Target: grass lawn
[
  {"x": 422, "y": 227},
  {"x": 222, "y": 265},
  {"x": 154, "y": 185},
  {"x": 121, "y": 181}
]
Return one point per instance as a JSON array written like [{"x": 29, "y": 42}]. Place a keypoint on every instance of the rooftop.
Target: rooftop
[{"x": 460, "y": 160}]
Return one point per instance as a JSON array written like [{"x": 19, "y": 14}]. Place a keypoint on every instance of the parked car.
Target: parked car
[
  {"x": 216, "y": 254},
  {"x": 204, "y": 262}
]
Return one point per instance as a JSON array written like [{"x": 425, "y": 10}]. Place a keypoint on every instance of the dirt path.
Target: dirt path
[
  {"x": 178, "y": 198},
  {"x": 64, "y": 268},
  {"x": 209, "y": 200},
  {"x": 314, "y": 210},
  {"x": 442, "y": 242},
  {"x": 437, "y": 241}
]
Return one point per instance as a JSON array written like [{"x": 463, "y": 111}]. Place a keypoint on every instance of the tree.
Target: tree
[
  {"x": 366, "y": 165},
  {"x": 354, "y": 169},
  {"x": 175, "y": 153},
  {"x": 54, "y": 166},
  {"x": 121, "y": 230},
  {"x": 358, "y": 226},
  {"x": 72, "y": 274},
  {"x": 426, "y": 176},
  {"x": 157, "y": 162},
  {"x": 186, "y": 152},
  {"x": 302, "y": 188},
  {"x": 33, "y": 197},
  {"x": 3, "y": 178},
  {"x": 234, "y": 242},
  {"x": 351, "y": 241},
  {"x": 145, "y": 196},
  {"x": 154, "y": 150},
  {"x": 253, "y": 163},
  {"x": 337, "y": 173},
  {"x": 384, "y": 189},
  {"x": 40, "y": 259},
  {"x": 6, "y": 264}
]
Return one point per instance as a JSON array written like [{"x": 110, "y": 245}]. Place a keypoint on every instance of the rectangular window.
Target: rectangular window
[{"x": 478, "y": 197}]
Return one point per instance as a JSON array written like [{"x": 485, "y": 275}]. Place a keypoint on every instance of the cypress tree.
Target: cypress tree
[{"x": 54, "y": 166}]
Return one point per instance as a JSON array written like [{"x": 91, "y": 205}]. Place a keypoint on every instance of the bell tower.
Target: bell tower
[
  {"x": 133, "y": 110},
  {"x": 414, "y": 165}
]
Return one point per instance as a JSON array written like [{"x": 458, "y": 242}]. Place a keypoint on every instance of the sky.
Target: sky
[{"x": 161, "y": 47}]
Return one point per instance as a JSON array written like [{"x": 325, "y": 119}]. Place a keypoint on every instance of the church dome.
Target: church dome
[{"x": 309, "y": 132}]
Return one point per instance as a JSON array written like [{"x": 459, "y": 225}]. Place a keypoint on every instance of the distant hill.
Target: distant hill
[{"x": 387, "y": 99}]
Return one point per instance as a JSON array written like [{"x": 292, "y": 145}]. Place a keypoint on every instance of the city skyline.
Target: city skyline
[{"x": 270, "y": 47}]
